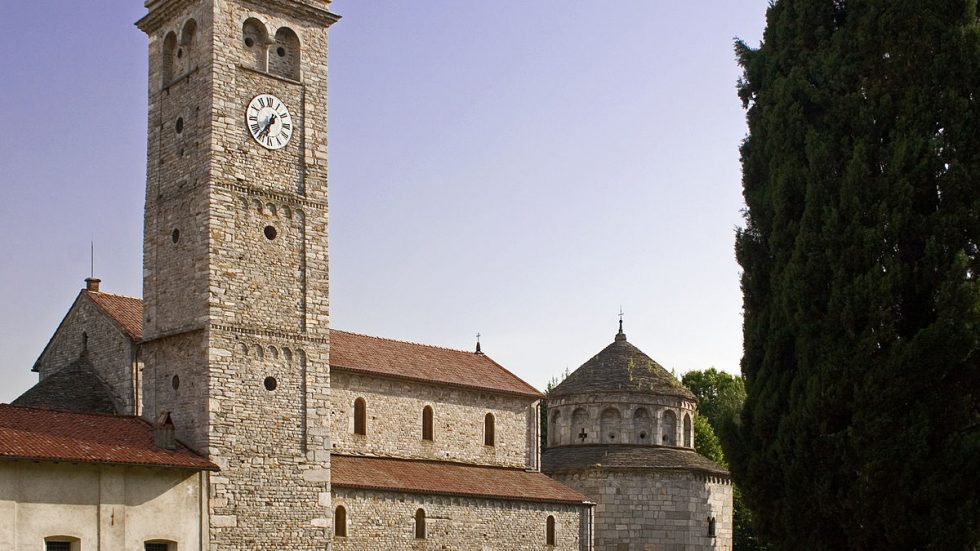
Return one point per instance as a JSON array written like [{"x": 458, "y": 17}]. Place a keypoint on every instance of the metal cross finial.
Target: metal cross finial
[
  {"x": 478, "y": 343},
  {"x": 620, "y": 319}
]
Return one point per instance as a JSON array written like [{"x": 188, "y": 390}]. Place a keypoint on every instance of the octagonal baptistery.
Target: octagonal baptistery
[{"x": 620, "y": 431}]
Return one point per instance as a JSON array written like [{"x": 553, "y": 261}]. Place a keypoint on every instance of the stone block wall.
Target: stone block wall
[
  {"x": 111, "y": 352},
  {"x": 394, "y": 421},
  {"x": 647, "y": 510},
  {"x": 383, "y": 521},
  {"x": 237, "y": 300}
]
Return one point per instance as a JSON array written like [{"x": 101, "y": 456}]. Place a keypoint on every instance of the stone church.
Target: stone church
[{"x": 220, "y": 412}]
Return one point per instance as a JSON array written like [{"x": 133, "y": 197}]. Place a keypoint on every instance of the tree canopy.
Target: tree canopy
[{"x": 861, "y": 173}]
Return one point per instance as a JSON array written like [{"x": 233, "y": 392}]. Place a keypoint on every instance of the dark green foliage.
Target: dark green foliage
[
  {"x": 720, "y": 399},
  {"x": 861, "y": 174},
  {"x": 706, "y": 442}
]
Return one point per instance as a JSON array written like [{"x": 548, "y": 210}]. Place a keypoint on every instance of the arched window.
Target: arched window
[
  {"x": 688, "y": 432},
  {"x": 488, "y": 430},
  {"x": 284, "y": 59},
  {"x": 420, "y": 524},
  {"x": 642, "y": 427},
  {"x": 256, "y": 41},
  {"x": 711, "y": 527},
  {"x": 554, "y": 431},
  {"x": 670, "y": 429},
  {"x": 427, "y": 423},
  {"x": 550, "y": 531},
  {"x": 340, "y": 522},
  {"x": 580, "y": 426},
  {"x": 61, "y": 543},
  {"x": 186, "y": 47},
  {"x": 609, "y": 424},
  {"x": 360, "y": 416},
  {"x": 168, "y": 55}
]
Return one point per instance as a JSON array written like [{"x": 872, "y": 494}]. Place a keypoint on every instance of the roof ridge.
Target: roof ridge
[
  {"x": 112, "y": 295},
  {"x": 431, "y": 461},
  {"x": 399, "y": 341},
  {"x": 86, "y": 413}
]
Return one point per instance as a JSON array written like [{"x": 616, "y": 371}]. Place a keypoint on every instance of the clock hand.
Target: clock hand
[{"x": 268, "y": 126}]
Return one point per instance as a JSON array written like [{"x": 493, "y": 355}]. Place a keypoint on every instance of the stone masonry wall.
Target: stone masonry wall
[
  {"x": 241, "y": 310},
  {"x": 394, "y": 421},
  {"x": 111, "y": 352},
  {"x": 647, "y": 510},
  {"x": 571, "y": 416},
  {"x": 384, "y": 521}
]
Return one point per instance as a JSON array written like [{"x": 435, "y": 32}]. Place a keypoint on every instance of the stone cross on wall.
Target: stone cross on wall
[{"x": 583, "y": 435}]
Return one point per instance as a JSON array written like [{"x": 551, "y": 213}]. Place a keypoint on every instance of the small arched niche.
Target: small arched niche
[
  {"x": 669, "y": 437},
  {"x": 255, "y": 40},
  {"x": 284, "y": 56},
  {"x": 554, "y": 429},
  {"x": 688, "y": 431},
  {"x": 642, "y": 427},
  {"x": 580, "y": 426},
  {"x": 609, "y": 426}
]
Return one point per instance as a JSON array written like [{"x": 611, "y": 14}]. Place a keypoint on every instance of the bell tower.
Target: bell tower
[{"x": 235, "y": 338}]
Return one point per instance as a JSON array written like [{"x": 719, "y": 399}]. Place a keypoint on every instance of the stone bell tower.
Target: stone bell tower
[{"x": 235, "y": 258}]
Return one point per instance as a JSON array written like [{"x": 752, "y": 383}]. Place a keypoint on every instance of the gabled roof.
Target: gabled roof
[
  {"x": 420, "y": 362},
  {"x": 365, "y": 354},
  {"x": 577, "y": 458},
  {"x": 125, "y": 312},
  {"x": 443, "y": 478},
  {"x": 64, "y": 436},
  {"x": 621, "y": 367},
  {"x": 74, "y": 388}
]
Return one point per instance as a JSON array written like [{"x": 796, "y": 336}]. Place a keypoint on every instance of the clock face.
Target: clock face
[{"x": 268, "y": 121}]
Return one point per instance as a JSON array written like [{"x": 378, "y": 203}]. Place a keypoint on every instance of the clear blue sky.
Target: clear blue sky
[{"x": 518, "y": 169}]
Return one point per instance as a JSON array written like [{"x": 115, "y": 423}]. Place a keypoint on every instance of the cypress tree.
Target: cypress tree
[{"x": 861, "y": 175}]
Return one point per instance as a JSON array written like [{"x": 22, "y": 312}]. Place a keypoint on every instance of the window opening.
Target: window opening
[
  {"x": 420, "y": 524},
  {"x": 340, "y": 522},
  {"x": 427, "y": 423},
  {"x": 688, "y": 432},
  {"x": 550, "y": 531},
  {"x": 156, "y": 547},
  {"x": 270, "y": 383},
  {"x": 711, "y": 527},
  {"x": 360, "y": 416},
  {"x": 57, "y": 545},
  {"x": 488, "y": 430}
]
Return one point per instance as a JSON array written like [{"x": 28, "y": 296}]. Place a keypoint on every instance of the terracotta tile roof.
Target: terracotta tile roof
[
  {"x": 362, "y": 353},
  {"x": 49, "y": 435},
  {"x": 578, "y": 458},
  {"x": 435, "y": 477},
  {"x": 126, "y": 312},
  {"x": 420, "y": 362}
]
